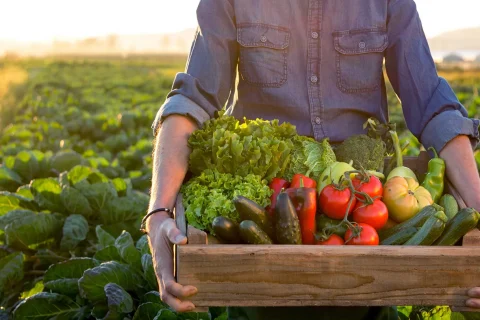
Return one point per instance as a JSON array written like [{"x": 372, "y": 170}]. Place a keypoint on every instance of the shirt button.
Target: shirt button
[
  {"x": 362, "y": 45},
  {"x": 314, "y": 35},
  {"x": 263, "y": 39},
  {"x": 318, "y": 120},
  {"x": 314, "y": 79}
]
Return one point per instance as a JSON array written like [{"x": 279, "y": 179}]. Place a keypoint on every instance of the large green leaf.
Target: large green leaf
[
  {"x": 25, "y": 192},
  {"x": 46, "y": 306},
  {"x": 109, "y": 253},
  {"x": 147, "y": 311},
  {"x": 65, "y": 160},
  {"x": 47, "y": 194},
  {"x": 11, "y": 271},
  {"x": 63, "y": 277},
  {"x": 165, "y": 314},
  {"x": 98, "y": 194},
  {"x": 118, "y": 299},
  {"x": 75, "y": 230},
  {"x": 105, "y": 239},
  {"x": 75, "y": 202},
  {"x": 123, "y": 187},
  {"x": 127, "y": 250},
  {"x": 8, "y": 202},
  {"x": 13, "y": 215},
  {"x": 78, "y": 173},
  {"x": 33, "y": 229},
  {"x": 9, "y": 179},
  {"x": 26, "y": 165},
  {"x": 149, "y": 272},
  {"x": 142, "y": 245},
  {"x": 125, "y": 208},
  {"x": 93, "y": 281}
]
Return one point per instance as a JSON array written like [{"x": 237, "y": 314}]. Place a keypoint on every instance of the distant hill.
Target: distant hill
[{"x": 463, "y": 39}]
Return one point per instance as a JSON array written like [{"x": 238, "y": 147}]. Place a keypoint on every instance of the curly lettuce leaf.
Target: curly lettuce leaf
[{"x": 210, "y": 195}]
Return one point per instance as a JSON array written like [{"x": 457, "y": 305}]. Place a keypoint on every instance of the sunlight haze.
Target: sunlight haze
[{"x": 42, "y": 21}]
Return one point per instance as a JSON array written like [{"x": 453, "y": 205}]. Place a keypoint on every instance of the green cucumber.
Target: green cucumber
[
  {"x": 400, "y": 237},
  {"x": 463, "y": 222},
  {"x": 226, "y": 229},
  {"x": 250, "y": 210},
  {"x": 449, "y": 204},
  {"x": 251, "y": 233},
  {"x": 287, "y": 226},
  {"x": 416, "y": 221},
  {"x": 430, "y": 231}
]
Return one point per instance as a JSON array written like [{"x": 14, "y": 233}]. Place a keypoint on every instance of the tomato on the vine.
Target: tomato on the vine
[
  {"x": 375, "y": 214},
  {"x": 334, "y": 240},
  {"x": 368, "y": 236},
  {"x": 334, "y": 201},
  {"x": 373, "y": 187}
]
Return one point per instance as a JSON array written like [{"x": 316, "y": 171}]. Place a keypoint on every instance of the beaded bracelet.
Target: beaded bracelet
[{"x": 144, "y": 220}]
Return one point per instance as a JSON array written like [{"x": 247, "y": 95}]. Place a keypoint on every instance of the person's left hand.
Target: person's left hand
[{"x": 474, "y": 301}]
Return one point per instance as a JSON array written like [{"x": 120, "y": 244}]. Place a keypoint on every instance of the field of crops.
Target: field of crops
[{"x": 75, "y": 148}]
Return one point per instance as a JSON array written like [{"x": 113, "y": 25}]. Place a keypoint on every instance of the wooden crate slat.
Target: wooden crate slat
[{"x": 241, "y": 275}]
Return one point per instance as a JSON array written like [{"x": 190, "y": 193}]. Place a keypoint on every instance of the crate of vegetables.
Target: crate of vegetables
[{"x": 276, "y": 219}]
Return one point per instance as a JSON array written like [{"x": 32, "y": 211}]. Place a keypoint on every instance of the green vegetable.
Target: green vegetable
[
  {"x": 65, "y": 160},
  {"x": 400, "y": 237},
  {"x": 430, "y": 231},
  {"x": 433, "y": 181},
  {"x": 256, "y": 147},
  {"x": 365, "y": 152},
  {"x": 287, "y": 225},
  {"x": 251, "y": 233},
  {"x": 249, "y": 210},
  {"x": 309, "y": 157},
  {"x": 226, "y": 229},
  {"x": 416, "y": 221},
  {"x": 463, "y": 222},
  {"x": 450, "y": 205},
  {"x": 335, "y": 226},
  {"x": 210, "y": 195}
]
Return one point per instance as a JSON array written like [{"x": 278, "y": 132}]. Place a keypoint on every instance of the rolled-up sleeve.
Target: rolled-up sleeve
[
  {"x": 209, "y": 75},
  {"x": 431, "y": 109}
]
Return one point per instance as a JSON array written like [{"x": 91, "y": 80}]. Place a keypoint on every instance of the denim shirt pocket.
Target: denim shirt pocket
[
  {"x": 359, "y": 59},
  {"x": 263, "y": 54}
]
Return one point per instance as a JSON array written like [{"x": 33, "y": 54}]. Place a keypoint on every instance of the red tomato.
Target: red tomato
[
  {"x": 368, "y": 236},
  {"x": 334, "y": 240},
  {"x": 375, "y": 214},
  {"x": 373, "y": 187},
  {"x": 334, "y": 202}
]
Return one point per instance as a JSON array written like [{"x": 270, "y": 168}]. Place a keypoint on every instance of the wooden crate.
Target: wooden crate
[{"x": 308, "y": 275}]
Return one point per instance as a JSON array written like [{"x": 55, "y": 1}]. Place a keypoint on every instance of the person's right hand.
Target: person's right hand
[{"x": 162, "y": 233}]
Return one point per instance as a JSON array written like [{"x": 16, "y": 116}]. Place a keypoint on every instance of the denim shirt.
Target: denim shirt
[{"x": 317, "y": 64}]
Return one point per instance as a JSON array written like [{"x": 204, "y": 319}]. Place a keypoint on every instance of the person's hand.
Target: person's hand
[
  {"x": 163, "y": 232},
  {"x": 474, "y": 301}
]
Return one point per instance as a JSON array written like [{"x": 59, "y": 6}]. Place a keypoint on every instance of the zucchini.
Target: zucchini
[
  {"x": 250, "y": 210},
  {"x": 464, "y": 221},
  {"x": 449, "y": 204},
  {"x": 400, "y": 237},
  {"x": 251, "y": 233},
  {"x": 287, "y": 226},
  {"x": 430, "y": 231},
  {"x": 416, "y": 221},
  {"x": 226, "y": 229}
]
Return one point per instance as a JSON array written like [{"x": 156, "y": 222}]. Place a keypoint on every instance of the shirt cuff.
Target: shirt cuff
[
  {"x": 448, "y": 125},
  {"x": 181, "y": 105}
]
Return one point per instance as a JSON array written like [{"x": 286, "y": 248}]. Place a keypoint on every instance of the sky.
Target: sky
[{"x": 47, "y": 20}]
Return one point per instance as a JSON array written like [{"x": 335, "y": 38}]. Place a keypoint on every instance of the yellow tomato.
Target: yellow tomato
[{"x": 404, "y": 198}]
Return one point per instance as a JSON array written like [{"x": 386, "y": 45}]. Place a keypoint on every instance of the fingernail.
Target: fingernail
[{"x": 179, "y": 238}]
